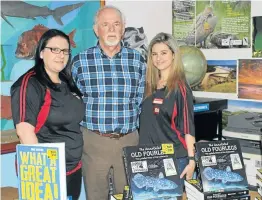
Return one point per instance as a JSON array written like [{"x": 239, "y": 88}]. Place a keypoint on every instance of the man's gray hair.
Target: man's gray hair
[{"x": 106, "y": 7}]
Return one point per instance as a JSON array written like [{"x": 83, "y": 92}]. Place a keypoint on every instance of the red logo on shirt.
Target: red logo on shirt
[{"x": 156, "y": 110}]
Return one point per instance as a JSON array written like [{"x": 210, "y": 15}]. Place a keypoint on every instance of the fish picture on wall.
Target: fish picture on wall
[
  {"x": 28, "y": 40},
  {"x": 23, "y": 23},
  {"x": 25, "y": 10}
]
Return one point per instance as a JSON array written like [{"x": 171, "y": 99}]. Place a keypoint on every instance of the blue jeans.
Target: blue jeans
[{"x": 181, "y": 164}]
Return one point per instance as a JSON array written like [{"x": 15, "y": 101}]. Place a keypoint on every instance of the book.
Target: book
[
  {"x": 253, "y": 162},
  {"x": 194, "y": 189},
  {"x": 116, "y": 197},
  {"x": 191, "y": 197},
  {"x": 259, "y": 174},
  {"x": 252, "y": 144},
  {"x": 220, "y": 166},
  {"x": 259, "y": 181},
  {"x": 152, "y": 172},
  {"x": 41, "y": 171},
  {"x": 247, "y": 135}
]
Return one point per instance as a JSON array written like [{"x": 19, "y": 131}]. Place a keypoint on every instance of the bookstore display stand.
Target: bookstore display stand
[{"x": 208, "y": 114}]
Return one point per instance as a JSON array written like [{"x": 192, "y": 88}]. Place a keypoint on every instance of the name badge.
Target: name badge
[
  {"x": 156, "y": 110},
  {"x": 158, "y": 101}
]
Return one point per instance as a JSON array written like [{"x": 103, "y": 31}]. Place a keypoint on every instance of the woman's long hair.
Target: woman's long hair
[
  {"x": 39, "y": 67},
  {"x": 176, "y": 75}
]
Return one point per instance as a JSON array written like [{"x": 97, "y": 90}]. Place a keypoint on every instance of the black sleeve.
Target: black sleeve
[
  {"x": 26, "y": 101},
  {"x": 185, "y": 110}
]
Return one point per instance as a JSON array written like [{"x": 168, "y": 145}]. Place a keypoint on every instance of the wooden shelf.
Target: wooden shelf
[{"x": 9, "y": 140}]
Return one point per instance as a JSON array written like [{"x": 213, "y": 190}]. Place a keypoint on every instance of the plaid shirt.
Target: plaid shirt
[{"x": 112, "y": 88}]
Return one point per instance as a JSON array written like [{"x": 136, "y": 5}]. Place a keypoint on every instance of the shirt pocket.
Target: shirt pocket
[{"x": 131, "y": 85}]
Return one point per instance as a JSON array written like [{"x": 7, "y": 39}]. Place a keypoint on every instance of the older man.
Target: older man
[{"x": 111, "y": 78}]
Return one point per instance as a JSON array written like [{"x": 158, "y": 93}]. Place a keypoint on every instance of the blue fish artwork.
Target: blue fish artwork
[
  {"x": 28, "y": 11},
  {"x": 156, "y": 184},
  {"x": 224, "y": 176}
]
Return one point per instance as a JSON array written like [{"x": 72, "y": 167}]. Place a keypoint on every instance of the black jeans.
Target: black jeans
[{"x": 74, "y": 182}]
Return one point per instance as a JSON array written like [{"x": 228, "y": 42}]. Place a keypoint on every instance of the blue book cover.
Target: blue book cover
[
  {"x": 152, "y": 172},
  {"x": 41, "y": 171},
  {"x": 220, "y": 166}
]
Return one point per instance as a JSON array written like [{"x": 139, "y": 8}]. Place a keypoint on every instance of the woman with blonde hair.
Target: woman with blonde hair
[{"x": 167, "y": 114}]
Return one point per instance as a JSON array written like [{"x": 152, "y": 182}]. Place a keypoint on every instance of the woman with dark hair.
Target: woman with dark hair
[
  {"x": 167, "y": 114},
  {"x": 47, "y": 106}
]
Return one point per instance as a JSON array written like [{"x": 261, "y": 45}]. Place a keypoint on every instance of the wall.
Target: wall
[{"x": 156, "y": 16}]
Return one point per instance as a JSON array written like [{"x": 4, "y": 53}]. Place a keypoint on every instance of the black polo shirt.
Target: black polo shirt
[
  {"x": 166, "y": 119},
  {"x": 59, "y": 119}
]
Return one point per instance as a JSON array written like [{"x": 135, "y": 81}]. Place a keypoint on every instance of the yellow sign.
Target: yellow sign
[
  {"x": 118, "y": 196},
  {"x": 192, "y": 181},
  {"x": 167, "y": 148},
  {"x": 52, "y": 154}
]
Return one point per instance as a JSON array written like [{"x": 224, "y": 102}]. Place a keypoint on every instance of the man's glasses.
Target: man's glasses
[{"x": 57, "y": 50}]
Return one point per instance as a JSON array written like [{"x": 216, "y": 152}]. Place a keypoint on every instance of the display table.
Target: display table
[
  {"x": 253, "y": 194},
  {"x": 208, "y": 118},
  {"x": 10, "y": 193}
]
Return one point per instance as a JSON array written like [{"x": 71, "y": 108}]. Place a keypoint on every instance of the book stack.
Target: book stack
[
  {"x": 194, "y": 191},
  {"x": 221, "y": 172},
  {"x": 259, "y": 181},
  {"x": 245, "y": 128},
  {"x": 152, "y": 172}
]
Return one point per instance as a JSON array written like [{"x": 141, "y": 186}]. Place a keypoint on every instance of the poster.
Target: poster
[
  {"x": 249, "y": 79},
  {"x": 242, "y": 108},
  {"x": 183, "y": 13},
  {"x": 216, "y": 24},
  {"x": 220, "y": 77},
  {"x": 257, "y": 37}
]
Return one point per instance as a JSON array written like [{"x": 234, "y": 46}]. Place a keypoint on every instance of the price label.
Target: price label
[
  {"x": 167, "y": 148},
  {"x": 52, "y": 154}
]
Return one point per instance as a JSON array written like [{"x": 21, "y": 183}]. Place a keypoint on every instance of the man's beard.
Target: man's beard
[{"x": 112, "y": 43}]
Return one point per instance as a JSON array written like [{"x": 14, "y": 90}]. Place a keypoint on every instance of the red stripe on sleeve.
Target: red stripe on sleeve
[
  {"x": 44, "y": 111},
  {"x": 185, "y": 109},
  {"x": 173, "y": 126}
]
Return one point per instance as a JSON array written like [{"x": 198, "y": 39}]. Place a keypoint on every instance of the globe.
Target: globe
[{"x": 195, "y": 64}]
